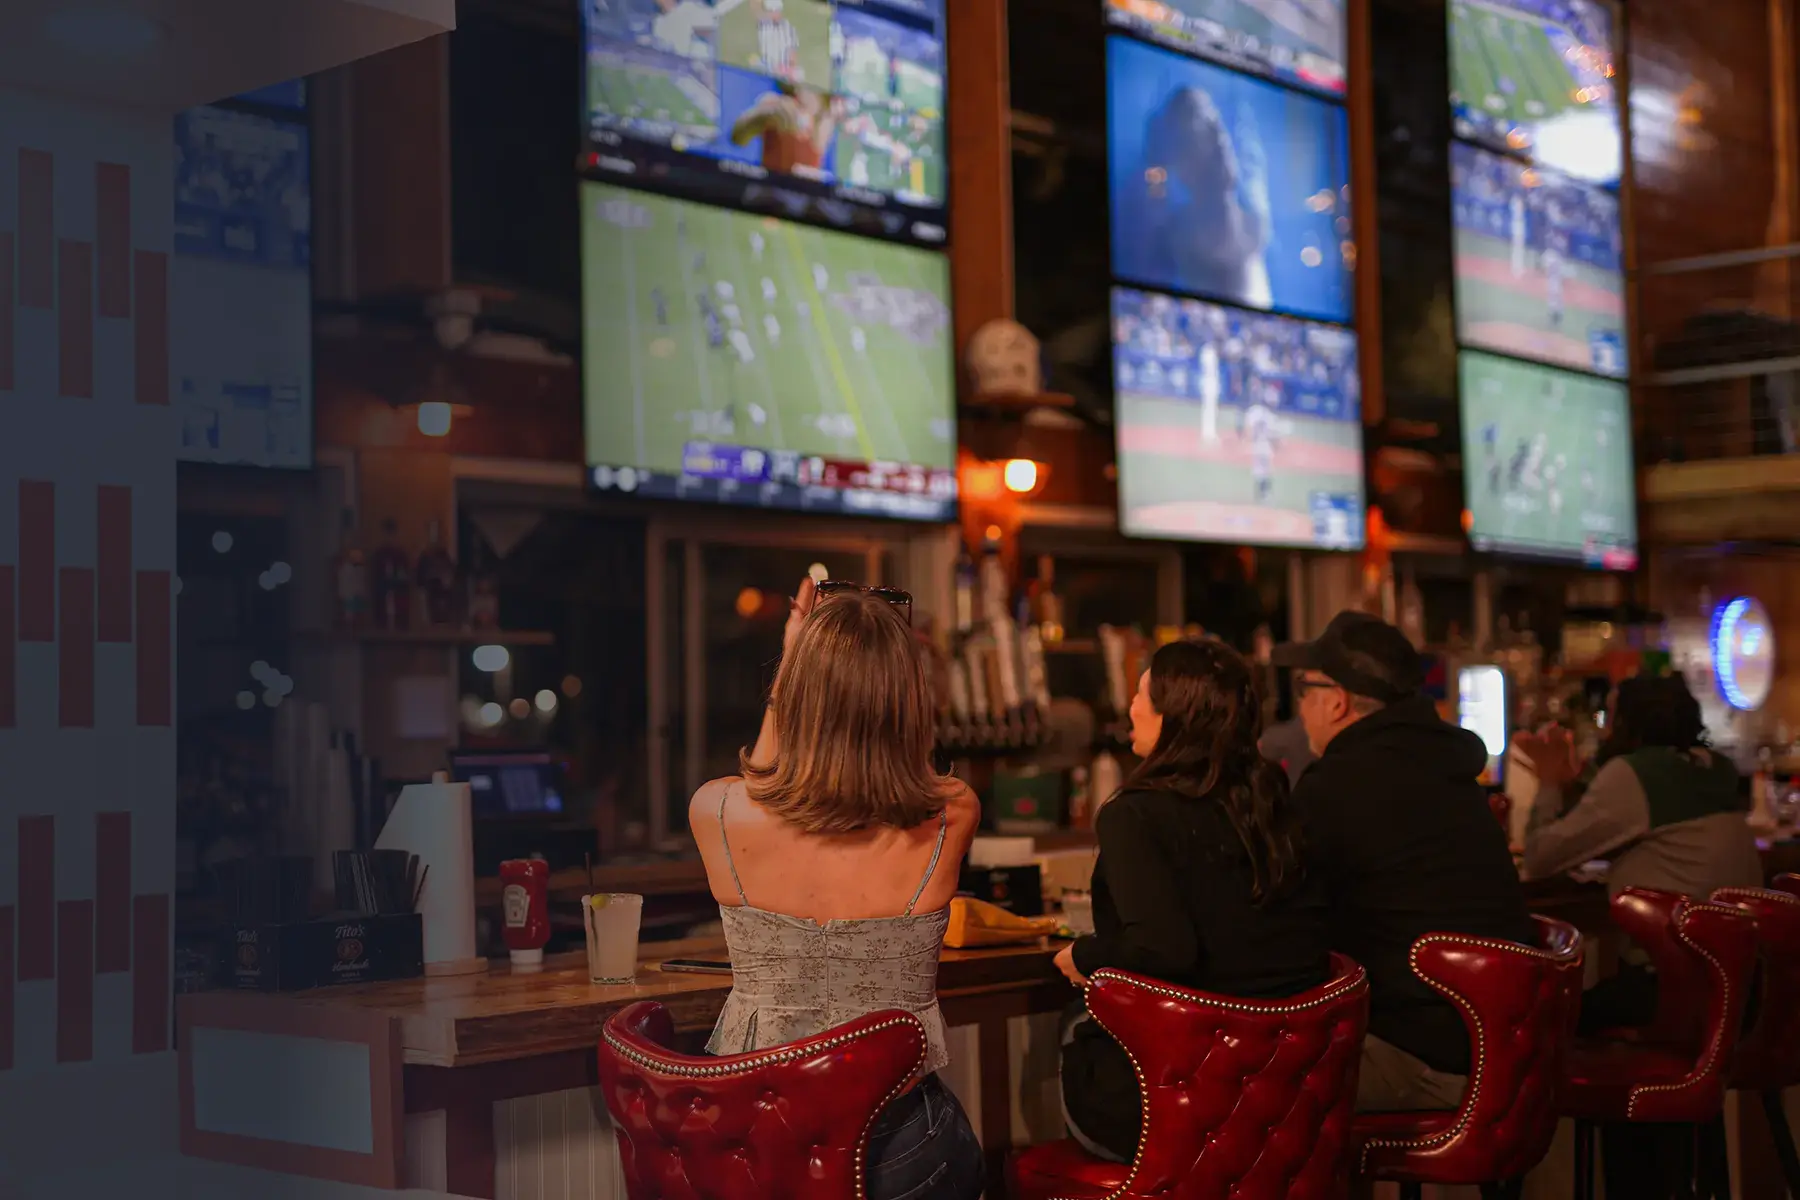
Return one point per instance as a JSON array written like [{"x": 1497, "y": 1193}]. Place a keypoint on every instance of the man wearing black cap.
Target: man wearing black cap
[{"x": 1399, "y": 826}]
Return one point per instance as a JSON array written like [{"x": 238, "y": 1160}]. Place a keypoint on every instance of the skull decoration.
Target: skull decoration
[{"x": 1003, "y": 358}]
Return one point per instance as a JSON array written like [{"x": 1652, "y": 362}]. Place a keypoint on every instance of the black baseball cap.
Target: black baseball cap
[{"x": 1362, "y": 654}]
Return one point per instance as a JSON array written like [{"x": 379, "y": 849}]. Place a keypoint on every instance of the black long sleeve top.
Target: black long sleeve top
[{"x": 1172, "y": 900}]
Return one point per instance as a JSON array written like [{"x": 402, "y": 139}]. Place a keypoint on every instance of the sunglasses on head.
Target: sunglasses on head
[{"x": 900, "y": 599}]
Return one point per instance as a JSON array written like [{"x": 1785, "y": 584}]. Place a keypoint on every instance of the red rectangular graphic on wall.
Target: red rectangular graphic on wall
[
  {"x": 37, "y": 229},
  {"x": 155, "y": 648},
  {"x": 37, "y": 897},
  {"x": 112, "y": 892},
  {"x": 150, "y": 968},
  {"x": 112, "y": 233},
  {"x": 150, "y": 332},
  {"x": 114, "y": 565},
  {"x": 74, "y": 981},
  {"x": 37, "y": 561},
  {"x": 75, "y": 649},
  {"x": 75, "y": 319}
]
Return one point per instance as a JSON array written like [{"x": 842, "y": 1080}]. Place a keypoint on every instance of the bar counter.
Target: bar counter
[
  {"x": 444, "y": 1051},
  {"x": 462, "y": 1076}
]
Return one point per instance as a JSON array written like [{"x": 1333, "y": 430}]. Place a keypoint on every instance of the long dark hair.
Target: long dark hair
[
  {"x": 1207, "y": 752},
  {"x": 1654, "y": 711}
]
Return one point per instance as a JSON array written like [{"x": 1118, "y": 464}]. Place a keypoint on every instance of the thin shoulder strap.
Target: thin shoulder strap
[
  {"x": 725, "y": 840},
  {"x": 931, "y": 867}
]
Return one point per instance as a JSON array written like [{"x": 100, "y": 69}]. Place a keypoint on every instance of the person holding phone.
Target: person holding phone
[{"x": 834, "y": 856}]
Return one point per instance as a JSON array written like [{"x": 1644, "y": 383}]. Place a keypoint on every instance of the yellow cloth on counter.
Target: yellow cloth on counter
[{"x": 978, "y": 923}]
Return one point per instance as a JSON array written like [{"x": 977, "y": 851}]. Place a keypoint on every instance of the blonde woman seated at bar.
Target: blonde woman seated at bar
[
  {"x": 1199, "y": 881},
  {"x": 834, "y": 858}
]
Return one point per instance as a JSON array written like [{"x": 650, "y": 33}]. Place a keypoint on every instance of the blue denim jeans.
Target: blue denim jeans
[{"x": 923, "y": 1148}]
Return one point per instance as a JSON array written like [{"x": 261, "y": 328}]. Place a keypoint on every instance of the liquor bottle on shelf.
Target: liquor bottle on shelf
[
  {"x": 1048, "y": 610},
  {"x": 350, "y": 578},
  {"x": 484, "y": 595},
  {"x": 436, "y": 574},
  {"x": 965, "y": 592},
  {"x": 393, "y": 580}
]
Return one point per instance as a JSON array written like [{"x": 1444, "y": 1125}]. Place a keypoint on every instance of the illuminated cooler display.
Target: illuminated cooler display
[{"x": 739, "y": 359}]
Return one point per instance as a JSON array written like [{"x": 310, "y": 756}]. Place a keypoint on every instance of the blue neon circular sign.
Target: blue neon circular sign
[{"x": 1743, "y": 653}]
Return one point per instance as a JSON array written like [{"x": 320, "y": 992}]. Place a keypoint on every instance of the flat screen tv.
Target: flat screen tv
[
  {"x": 829, "y": 111},
  {"x": 1227, "y": 186},
  {"x": 1295, "y": 41},
  {"x": 740, "y": 359},
  {"x": 1547, "y": 466},
  {"x": 1539, "y": 263},
  {"x": 1536, "y": 77},
  {"x": 1236, "y": 426},
  {"x": 241, "y": 280}
]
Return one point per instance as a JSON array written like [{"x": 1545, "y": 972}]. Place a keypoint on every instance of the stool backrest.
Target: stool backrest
[
  {"x": 1520, "y": 1004},
  {"x": 790, "y": 1121},
  {"x": 1249, "y": 1099},
  {"x": 1704, "y": 955},
  {"x": 1768, "y": 1058}
]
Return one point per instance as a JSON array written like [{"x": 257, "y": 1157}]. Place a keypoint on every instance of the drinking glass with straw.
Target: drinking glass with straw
[{"x": 612, "y": 920}]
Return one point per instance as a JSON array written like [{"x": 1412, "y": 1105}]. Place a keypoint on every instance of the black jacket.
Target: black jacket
[
  {"x": 1172, "y": 900},
  {"x": 1402, "y": 834}
]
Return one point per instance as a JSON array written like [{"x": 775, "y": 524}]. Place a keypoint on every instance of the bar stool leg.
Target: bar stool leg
[
  {"x": 1584, "y": 1160},
  {"x": 1776, "y": 1113},
  {"x": 1412, "y": 1191},
  {"x": 1511, "y": 1189},
  {"x": 1713, "y": 1168}
]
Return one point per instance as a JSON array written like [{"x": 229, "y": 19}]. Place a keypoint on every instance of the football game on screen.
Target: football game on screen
[
  {"x": 1235, "y": 425},
  {"x": 1536, "y": 77},
  {"x": 1539, "y": 267},
  {"x": 1294, "y": 41},
  {"x": 1547, "y": 466},
  {"x": 243, "y": 261},
  {"x": 1227, "y": 186},
  {"x": 823, "y": 109},
  {"x": 738, "y": 358}
]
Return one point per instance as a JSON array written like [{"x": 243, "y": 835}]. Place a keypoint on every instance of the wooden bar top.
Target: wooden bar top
[{"x": 503, "y": 1014}]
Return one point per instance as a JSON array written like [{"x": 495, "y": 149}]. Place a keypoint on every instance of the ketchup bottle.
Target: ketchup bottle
[{"x": 525, "y": 903}]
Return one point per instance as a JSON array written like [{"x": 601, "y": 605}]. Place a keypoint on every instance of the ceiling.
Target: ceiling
[{"x": 172, "y": 54}]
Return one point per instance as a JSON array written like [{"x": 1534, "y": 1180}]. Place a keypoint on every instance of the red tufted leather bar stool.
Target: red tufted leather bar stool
[
  {"x": 1520, "y": 1004},
  {"x": 1768, "y": 1059},
  {"x": 1243, "y": 1099},
  {"x": 1787, "y": 882},
  {"x": 1674, "y": 1071},
  {"x": 792, "y": 1121}
]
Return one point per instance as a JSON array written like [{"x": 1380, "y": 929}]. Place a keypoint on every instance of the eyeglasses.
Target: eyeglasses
[
  {"x": 1303, "y": 686},
  {"x": 900, "y": 599}
]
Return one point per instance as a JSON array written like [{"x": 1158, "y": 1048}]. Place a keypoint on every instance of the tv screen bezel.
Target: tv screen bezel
[{"x": 950, "y": 511}]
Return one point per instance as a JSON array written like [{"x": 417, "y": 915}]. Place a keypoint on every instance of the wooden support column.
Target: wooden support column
[
  {"x": 1365, "y": 216},
  {"x": 980, "y": 113},
  {"x": 1775, "y": 282}
]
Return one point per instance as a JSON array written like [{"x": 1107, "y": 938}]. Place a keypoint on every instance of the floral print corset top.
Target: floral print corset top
[{"x": 792, "y": 978}]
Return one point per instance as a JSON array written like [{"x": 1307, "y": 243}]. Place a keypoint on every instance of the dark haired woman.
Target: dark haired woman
[
  {"x": 1665, "y": 809},
  {"x": 1199, "y": 881}
]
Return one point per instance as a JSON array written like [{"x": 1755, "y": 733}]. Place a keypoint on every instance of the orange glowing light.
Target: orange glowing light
[
  {"x": 749, "y": 603},
  {"x": 1020, "y": 474}
]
